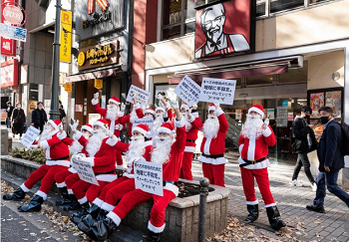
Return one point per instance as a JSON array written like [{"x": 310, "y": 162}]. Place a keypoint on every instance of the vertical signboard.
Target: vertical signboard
[
  {"x": 66, "y": 28},
  {"x": 8, "y": 46}
]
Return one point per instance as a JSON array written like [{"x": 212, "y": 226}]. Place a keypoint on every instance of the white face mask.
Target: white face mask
[{"x": 19, "y": 106}]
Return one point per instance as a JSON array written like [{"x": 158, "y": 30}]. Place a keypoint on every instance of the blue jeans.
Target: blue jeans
[{"x": 329, "y": 179}]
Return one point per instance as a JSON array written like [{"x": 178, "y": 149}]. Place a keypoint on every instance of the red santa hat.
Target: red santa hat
[
  {"x": 87, "y": 127},
  {"x": 167, "y": 128},
  {"x": 185, "y": 106},
  {"x": 56, "y": 124},
  {"x": 160, "y": 108},
  {"x": 101, "y": 123},
  {"x": 257, "y": 108},
  {"x": 115, "y": 100},
  {"x": 212, "y": 107},
  {"x": 143, "y": 129},
  {"x": 149, "y": 110}
]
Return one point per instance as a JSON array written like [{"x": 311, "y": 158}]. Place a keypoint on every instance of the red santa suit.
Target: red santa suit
[
  {"x": 57, "y": 160},
  {"x": 171, "y": 172},
  {"x": 212, "y": 151},
  {"x": 129, "y": 120},
  {"x": 192, "y": 128}
]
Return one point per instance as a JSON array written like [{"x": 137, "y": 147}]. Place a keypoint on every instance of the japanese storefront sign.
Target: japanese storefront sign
[
  {"x": 29, "y": 136},
  {"x": 148, "y": 177},
  {"x": 98, "y": 84},
  {"x": 66, "y": 28},
  {"x": 8, "y": 46},
  {"x": 141, "y": 95},
  {"x": 147, "y": 121},
  {"x": 188, "y": 91},
  {"x": 217, "y": 90},
  {"x": 84, "y": 170},
  {"x": 11, "y": 32},
  {"x": 68, "y": 87},
  {"x": 9, "y": 73}
]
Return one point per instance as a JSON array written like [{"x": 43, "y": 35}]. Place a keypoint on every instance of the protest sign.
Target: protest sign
[
  {"x": 148, "y": 177},
  {"x": 84, "y": 170},
  {"x": 147, "y": 121},
  {"x": 141, "y": 95},
  {"x": 188, "y": 91},
  {"x": 30, "y": 135},
  {"x": 217, "y": 90}
]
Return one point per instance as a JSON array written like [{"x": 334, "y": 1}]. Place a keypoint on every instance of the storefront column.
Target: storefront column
[{"x": 345, "y": 173}]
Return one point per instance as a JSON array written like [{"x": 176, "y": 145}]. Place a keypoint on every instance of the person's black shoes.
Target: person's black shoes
[
  {"x": 315, "y": 208},
  {"x": 18, "y": 195},
  {"x": 33, "y": 206},
  {"x": 252, "y": 214}
]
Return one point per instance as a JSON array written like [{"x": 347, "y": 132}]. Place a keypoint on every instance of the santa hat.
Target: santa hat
[
  {"x": 257, "y": 108},
  {"x": 149, "y": 110},
  {"x": 56, "y": 124},
  {"x": 143, "y": 129},
  {"x": 115, "y": 100},
  {"x": 160, "y": 108},
  {"x": 185, "y": 106},
  {"x": 167, "y": 128},
  {"x": 101, "y": 123},
  {"x": 87, "y": 127},
  {"x": 212, "y": 107}
]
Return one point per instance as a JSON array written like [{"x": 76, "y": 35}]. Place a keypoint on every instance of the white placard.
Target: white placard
[
  {"x": 29, "y": 136},
  {"x": 141, "y": 95},
  {"x": 84, "y": 170},
  {"x": 188, "y": 91},
  {"x": 217, "y": 90},
  {"x": 148, "y": 177},
  {"x": 147, "y": 121}
]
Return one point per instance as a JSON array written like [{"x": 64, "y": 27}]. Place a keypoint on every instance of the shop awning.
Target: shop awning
[
  {"x": 268, "y": 68},
  {"x": 91, "y": 75}
]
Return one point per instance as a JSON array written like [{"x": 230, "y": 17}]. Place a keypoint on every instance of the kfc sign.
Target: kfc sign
[
  {"x": 224, "y": 28},
  {"x": 9, "y": 73}
]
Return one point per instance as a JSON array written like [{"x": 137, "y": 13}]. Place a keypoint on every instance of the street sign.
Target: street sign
[
  {"x": 13, "y": 13},
  {"x": 11, "y": 32}
]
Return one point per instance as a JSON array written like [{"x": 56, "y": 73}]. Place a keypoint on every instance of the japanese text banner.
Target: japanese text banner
[{"x": 217, "y": 90}]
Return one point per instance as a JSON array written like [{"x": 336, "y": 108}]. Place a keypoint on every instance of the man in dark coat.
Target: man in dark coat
[
  {"x": 39, "y": 117},
  {"x": 331, "y": 161},
  {"x": 9, "y": 113},
  {"x": 304, "y": 142}
]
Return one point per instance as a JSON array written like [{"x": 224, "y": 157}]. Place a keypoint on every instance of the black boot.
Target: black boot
[
  {"x": 66, "y": 197},
  {"x": 252, "y": 214},
  {"x": 18, "y": 195},
  {"x": 86, "y": 224},
  {"x": 274, "y": 218},
  {"x": 74, "y": 205},
  {"x": 94, "y": 210},
  {"x": 102, "y": 229},
  {"x": 153, "y": 237},
  {"x": 33, "y": 206},
  {"x": 76, "y": 217},
  {"x": 102, "y": 214}
]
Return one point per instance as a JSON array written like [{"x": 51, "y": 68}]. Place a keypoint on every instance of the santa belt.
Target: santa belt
[
  {"x": 165, "y": 182},
  {"x": 62, "y": 158},
  {"x": 252, "y": 162},
  {"x": 213, "y": 156},
  {"x": 108, "y": 172},
  {"x": 191, "y": 140}
]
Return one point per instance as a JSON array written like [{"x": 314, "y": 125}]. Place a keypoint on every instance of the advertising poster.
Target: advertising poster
[
  {"x": 271, "y": 113},
  {"x": 317, "y": 100},
  {"x": 31, "y": 106},
  {"x": 334, "y": 100},
  {"x": 281, "y": 116}
]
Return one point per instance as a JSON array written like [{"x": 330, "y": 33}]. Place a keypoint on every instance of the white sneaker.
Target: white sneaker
[
  {"x": 314, "y": 187},
  {"x": 295, "y": 183}
]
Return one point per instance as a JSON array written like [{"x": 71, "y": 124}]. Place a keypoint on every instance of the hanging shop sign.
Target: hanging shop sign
[
  {"x": 9, "y": 73},
  {"x": 97, "y": 56},
  {"x": 98, "y": 84},
  {"x": 13, "y": 13},
  {"x": 68, "y": 87},
  {"x": 8, "y": 46},
  {"x": 66, "y": 28}
]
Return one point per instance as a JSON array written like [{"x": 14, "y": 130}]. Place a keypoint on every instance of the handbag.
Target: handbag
[{"x": 314, "y": 162}]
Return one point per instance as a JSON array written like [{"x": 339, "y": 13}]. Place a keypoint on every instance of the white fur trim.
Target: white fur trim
[
  {"x": 213, "y": 161},
  {"x": 70, "y": 191},
  {"x": 98, "y": 202},
  {"x": 136, "y": 106},
  {"x": 88, "y": 128},
  {"x": 82, "y": 200},
  {"x": 113, "y": 101},
  {"x": 112, "y": 141},
  {"x": 179, "y": 123},
  {"x": 58, "y": 163},
  {"x": 192, "y": 119},
  {"x": 270, "y": 205},
  {"x": 77, "y": 135},
  {"x": 252, "y": 202},
  {"x": 44, "y": 144},
  {"x": 120, "y": 167},
  {"x": 60, "y": 185},
  {"x": 160, "y": 108},
  {"x": 185, "y": 106},
  {"x": 212, "y": 108},
  {"x": 91, "y": 160},
  {"x": 155, "y": 229},
  {"x": 129, "y": 175},
  {"x": 195, "y": 114},
  {"x": 107, "y": 207},
  {"x": 251, "y": 148},
  {"x": 24, "y": 188},
  {"x": 207, "y": 146},
  {"x": 259, "y": 165},
  {"x": 94, "y": 101},
  {"x": 121, "y": 114},
  {"x": 116, "y": 219},
  {"x": 240, "y": 148},
  {"x": 142, "y": 131},
  {"x": 76, "y": 147},
  {"x": 62, "y": 135},
  {"x": 72, "y": 170},
  {"x": 54, "y": 124},
  {"x": 257, "y": 110},
  {"x": 172, "y": 188},
  {"x": 152, "y": 112},
  {"x": 107, "y": 177},
  {"x": 218, "y": 112},
  {"x": 266, "y": 132},
  {"x": 165, "y": 130},
  {"x": 41, "y": 194},
  {"x": 100, "y": 124},
  {"x": 189, "y": 149}
]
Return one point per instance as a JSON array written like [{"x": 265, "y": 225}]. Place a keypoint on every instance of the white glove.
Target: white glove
[
  {"x": 194, "y": 106},
  {"x": 74, "y": 126},
  {"x": 119, "y": 127},
  {"x": 266, "y": 123},
  {"x": 122, "y": 107},
  {"x": 96, "y": 95},
  {"x": 217, "y": 105},
  {"x": 33, "y": 147},
  {"x": 159, "y": 96},
  {"x": 174, "y": 104},
  {"x": 79, "y": 156},
  {"x": 109, "y": 133}
]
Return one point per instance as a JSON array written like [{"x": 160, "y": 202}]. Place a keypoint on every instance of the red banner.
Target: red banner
[{"x": 9, "y": 73}]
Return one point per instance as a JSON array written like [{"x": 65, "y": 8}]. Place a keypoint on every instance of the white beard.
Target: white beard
[
  {"x": 136, "y": 149},
  {"x": 76, "y": 147},
  {"x": 86, "y": 135},
  {"x": 211, "y": 126},
  {"x": 112, "y": 112},
  {"x": 253, "y": 126},
  {"x": 161, "y": 154},
  {"x": 95, "y": 142},
  {"x": 157, "y": 123},
  {"x": 46, "y": 134},
  {"x": 188, "y": 125}
]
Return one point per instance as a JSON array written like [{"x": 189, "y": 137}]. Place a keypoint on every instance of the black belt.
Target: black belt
[
  {"x": 191, "y": 140},
  {"x": 109, "y": 172},
  {"x": 165, "y": 182},
  {"x": 62, "y": 158},
  {"x": 252, "y": 162},
  {"x": 213, "y": 156}
]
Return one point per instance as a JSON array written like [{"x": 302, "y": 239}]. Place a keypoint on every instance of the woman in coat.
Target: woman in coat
[{"x": 18, "y": 120}]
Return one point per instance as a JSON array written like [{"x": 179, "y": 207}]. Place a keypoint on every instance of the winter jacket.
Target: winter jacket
[
  {"x": 299, "y": 140},
  {"x": 39, "y": 117}
]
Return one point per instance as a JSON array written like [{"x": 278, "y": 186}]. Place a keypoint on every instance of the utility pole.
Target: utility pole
[{"x": 54, "y": 112}]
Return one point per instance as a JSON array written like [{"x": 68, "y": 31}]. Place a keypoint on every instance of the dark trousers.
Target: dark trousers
[
  {"x": 329, "y": 179},
  {"x": 39, "y": 126},
  {"x": 302, "y": 160}
]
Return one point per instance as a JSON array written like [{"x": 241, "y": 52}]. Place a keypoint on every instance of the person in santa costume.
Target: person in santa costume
[
  {"x": 213, "y": 145},
  {"x": 140, "y": 148},
  {"x": 192, "y": 126},
  {"x": 254, "y": 140},
  {"x": 101, "y": 156},
  {"x": 169, "y": 151},
  {"x": 163, "y": 113},
  {"x": 78, "y": 145},
  {"x": 57, "y": 160}
]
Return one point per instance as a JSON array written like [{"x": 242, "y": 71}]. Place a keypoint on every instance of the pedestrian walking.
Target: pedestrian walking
[
  {"x": 18, "y": 120},
  {"x": 39, "y": 117},
  {"x": 9, "y": 111},
  {"x": 304, "y": 142},
  {"x": 331, "y": 161},
  {"x": 62, "y": 113}
]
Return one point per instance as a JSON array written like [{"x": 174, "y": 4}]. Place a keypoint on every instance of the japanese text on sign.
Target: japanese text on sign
[
  {"x": 29, "y": 136},
  {"x": 147, "y": 121},
  {"x": 188, "y": 91},
  {"x": 11, "y": 32},
  {"x": 148, "y": 177},
  {"x": 140, "y": 95},
  {"x": 217, "y": 90},
  {"x": 84, "y": 170}
]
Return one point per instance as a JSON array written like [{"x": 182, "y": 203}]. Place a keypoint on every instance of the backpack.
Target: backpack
[{"x": 345, "y": 138}]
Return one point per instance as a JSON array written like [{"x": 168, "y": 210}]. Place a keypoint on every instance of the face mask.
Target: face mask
[
  {"x": 18, "y": 106},
  {"x": 324, "y": 119},
  {"x": 307, "y": 117}
]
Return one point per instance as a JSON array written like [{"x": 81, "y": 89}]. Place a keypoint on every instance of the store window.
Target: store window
[
  {"x": 280, "y": 5},
  {"x": 260, "y": 80}
]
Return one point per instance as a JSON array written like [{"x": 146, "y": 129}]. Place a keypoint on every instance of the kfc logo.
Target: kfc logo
[{"x": 103, "y": 4}]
